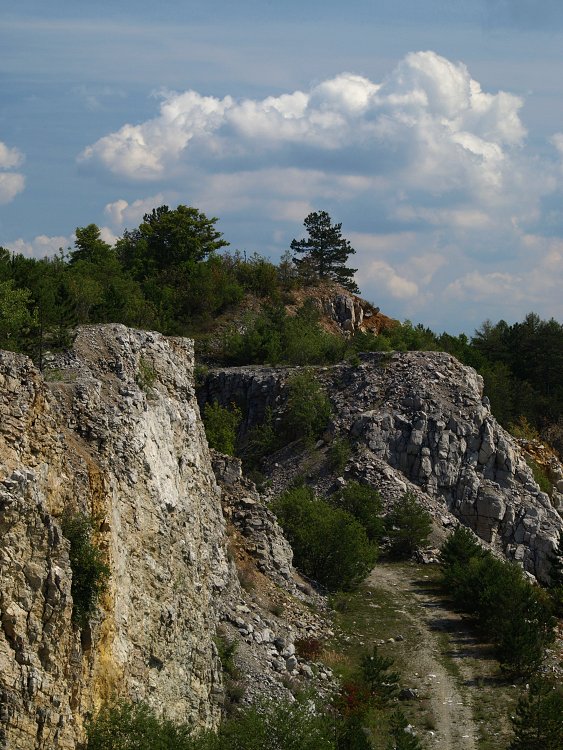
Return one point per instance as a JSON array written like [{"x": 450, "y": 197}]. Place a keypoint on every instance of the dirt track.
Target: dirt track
[{"x": 427, "y": 654}]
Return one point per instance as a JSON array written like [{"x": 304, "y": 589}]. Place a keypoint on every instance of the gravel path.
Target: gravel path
[{"x": 455, "y": 728}]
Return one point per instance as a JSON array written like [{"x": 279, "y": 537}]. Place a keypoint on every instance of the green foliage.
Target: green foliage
[
  {"x": 226, "y": 650},
  {"x": 329, "y": 544},
  {"x": 523, "y": 429},
  {"x": 146, "y": 376},
  {"x": 512, "y": 613},
  {"x": 221, "y": 425},
  {"x": 408, "y": 526},
  {"x": 400, "y": 738},
  {"x": 339, "y": 453},
  {"x": 262, "y": 440},
  {"x": 266, "y": 726},
  {"x": 540, "y": 476},
  {"x": 538, "y": 724},
  {"x": 364, "y": 503},
  {"x": 325, "y": 251},
  {"x": 89, "y": 573},
  {"x": 167, "y": 238},
  {"x": 383, "y": 684},
  {"x": 273, "y": 337},
  {"x": 127, "y": 726},
  {"x": 307, "y": 409},
  {"x": 351, "y": 733},
  {"x": 556, "y": 577},
  {"x": 277, "y": 726},
  {"x": 15, "y": 317}
]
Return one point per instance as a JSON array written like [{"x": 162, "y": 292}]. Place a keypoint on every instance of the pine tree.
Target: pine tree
[
  {"x": 325, "y": 251},
  {"x": 401, "y": 739},
  {"x": 538, "y": 724}
]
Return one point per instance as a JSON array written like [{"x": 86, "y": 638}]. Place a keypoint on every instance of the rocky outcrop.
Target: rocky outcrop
[
  {"x": 340, "y": 310},
  {"x": 243, "y": 507},
  {"x": 115, "y": 433},
  {"x": 421, "y": 418}
]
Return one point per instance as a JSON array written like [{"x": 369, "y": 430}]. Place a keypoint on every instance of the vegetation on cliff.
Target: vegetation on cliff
[{"x": 169, "y": 275}]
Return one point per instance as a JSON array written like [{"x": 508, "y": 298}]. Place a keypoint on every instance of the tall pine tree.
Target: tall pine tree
[{"x": 325, "y": 251}]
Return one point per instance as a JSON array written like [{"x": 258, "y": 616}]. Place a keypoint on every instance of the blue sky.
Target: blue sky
[{"x": 432, "y": 130}]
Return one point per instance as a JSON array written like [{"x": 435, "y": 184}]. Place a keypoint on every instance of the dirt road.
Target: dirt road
[{"x": 433, "y": 655}]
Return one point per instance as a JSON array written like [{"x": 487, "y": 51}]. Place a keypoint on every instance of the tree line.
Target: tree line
[{"x": 172, "y": 274}]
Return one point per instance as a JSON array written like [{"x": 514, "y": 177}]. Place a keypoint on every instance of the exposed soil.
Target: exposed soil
[{"x": 455, "y": 673}]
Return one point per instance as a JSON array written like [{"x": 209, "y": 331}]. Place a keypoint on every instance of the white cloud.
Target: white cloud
[
  {"x": 482, "y": 286},
  {"x": 41, "y": 246},
  {"x": 384, "y": 276},
  {"x": 11, "y": 183},
  {"x": 121, "y": 213},
  {"x": 10, "y": 157},
  {"x": 428, "y": 124},
  {"x": 432, "y": 176}
]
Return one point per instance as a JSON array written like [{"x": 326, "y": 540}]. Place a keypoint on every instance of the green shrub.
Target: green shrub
[
  {"x": 277, "y": 726},
  {"x": 400, "y": 738},
  {"x": 538, "y": 723},
  {"x": 262, "y": 440},
  {"x": 339, "y": 454},
  {"x": 127, "y": 726},
  {"x": 329, "y": 545},
  {"x": 146, "y": 376},
  {"x": 89, "y": 573},
  {"x": 456, "y": 553},
  {"x": 512, "y": 613},
  {"x": 221, "y": 425},
  {"x": 382, "y": 683},
  {"x": 307, "y": 410},
  {"x": 364, "y": 503},
  {"x": 408, "y": 526},
  {"x": 226, "y": 650},
  {"x": 540, "y": 476}
]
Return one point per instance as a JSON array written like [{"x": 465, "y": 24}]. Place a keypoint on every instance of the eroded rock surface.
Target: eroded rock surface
[
  {"x": 419, "y": 418},
  {"x": 115, "y": 433}
]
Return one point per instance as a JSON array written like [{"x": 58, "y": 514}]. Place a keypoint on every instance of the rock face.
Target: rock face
[
  {"x": 243, "y": 507},
  {"x": 116, "y": 433},
  {"x": 421, "y": 418}
]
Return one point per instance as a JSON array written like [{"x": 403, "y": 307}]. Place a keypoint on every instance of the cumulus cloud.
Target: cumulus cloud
[
  {"x": 41, "y": 246},
  {"x": 432, "y": 176},
  {"x": 429, "y": 123},
  {"x": 121, "y": 213},
  {"x": 11, "y": 183},
  {"x": 383, "y": 275}
]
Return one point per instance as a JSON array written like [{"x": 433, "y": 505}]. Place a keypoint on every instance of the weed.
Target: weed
[{"x": 146, "y": 376}]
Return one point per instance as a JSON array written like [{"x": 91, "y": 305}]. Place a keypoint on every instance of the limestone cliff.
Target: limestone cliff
[
  {"x": 115, "y": 432},
  {"x": 418, "y": 421}
]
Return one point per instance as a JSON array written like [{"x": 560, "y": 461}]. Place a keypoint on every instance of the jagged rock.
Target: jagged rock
[
  {"x": 418, "y": 421},
  {"x": 258, "y": 526},
  {"x": 93, "y": 440}
]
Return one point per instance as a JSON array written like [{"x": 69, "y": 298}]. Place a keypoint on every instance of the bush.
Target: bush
[
  {"x": 263, "y": 440},
  {"x": 400, "y": 738},
  {"x": 277, "y": 726},
  {"x": 538, "y": 724},
  {"x": 364, "y": 503},
  {"x": 329, "y": 545},
  {"x": 89, "y": 573},
  {"x": 307, "y": 410},
  {"x": 456, "y": 553},
  {"x": 515, "y": 615},
  {"x": 127, "y": 726},
  {"x": 221, "y": 425},
  {"x": 408, "y": 527},
  {"x": 339, "y": 453},
  {"x": 382, "y": 683}
]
